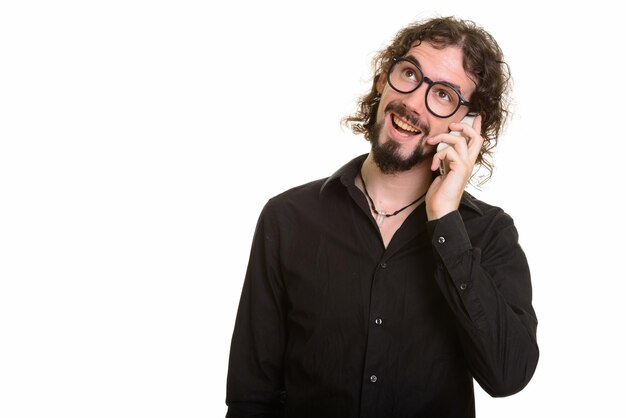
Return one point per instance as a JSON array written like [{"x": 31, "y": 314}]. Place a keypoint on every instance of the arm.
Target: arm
[
  {"x": 487, "y": 285},
  {"x": 255, "y": 373}
]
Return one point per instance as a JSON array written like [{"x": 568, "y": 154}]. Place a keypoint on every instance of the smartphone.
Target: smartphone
[{"x": 443, "y": 167}]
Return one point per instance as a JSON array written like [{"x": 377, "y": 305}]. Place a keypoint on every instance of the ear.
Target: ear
[{"x": 381, "y": 80}]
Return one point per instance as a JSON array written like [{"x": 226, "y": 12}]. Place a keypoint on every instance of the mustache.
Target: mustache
[{"x": 401, "y": 110}]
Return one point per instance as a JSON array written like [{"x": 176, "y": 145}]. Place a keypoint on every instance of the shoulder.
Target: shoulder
[
  {"x": 485, "y": 221},
  {"x": 473, "y": 208},
  {"x": 291, "y": 204},
  {"x": 299, "y": 195},
  {"x": 319, "y": 192}
]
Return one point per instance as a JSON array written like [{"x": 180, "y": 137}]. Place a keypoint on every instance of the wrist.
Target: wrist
[{"x": 434, "y": 214}]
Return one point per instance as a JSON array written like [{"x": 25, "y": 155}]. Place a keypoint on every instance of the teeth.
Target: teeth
[{"x": 403, "y": 125}]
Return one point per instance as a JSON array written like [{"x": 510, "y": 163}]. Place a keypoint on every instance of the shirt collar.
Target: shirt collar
[{"x": 346, "y": 174}]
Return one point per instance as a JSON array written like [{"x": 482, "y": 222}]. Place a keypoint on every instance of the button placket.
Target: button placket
[{"x": 378, "y": 340}]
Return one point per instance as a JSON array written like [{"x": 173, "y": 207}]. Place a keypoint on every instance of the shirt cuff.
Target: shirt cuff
[{"x": 449, "y": 236}]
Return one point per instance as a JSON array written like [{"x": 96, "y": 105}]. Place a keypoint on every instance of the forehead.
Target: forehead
[{"x": 445, "y": 64}]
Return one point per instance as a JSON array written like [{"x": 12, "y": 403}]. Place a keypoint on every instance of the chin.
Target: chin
[{"x": 391, "y": 159}]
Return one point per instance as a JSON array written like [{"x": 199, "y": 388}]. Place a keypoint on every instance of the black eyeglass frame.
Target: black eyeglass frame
[{"x": 431, "y": 83}]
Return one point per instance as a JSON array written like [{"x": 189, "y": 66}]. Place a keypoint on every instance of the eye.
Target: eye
[
  {"x": 443, "y": 95},
  {"x": 410, "y": 74}
]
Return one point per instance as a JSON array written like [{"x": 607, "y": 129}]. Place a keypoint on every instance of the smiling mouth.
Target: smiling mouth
[{"x": 403, "y": 127}]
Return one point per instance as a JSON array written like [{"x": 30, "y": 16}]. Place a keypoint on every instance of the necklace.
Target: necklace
[{"x": 380, "y": 214}]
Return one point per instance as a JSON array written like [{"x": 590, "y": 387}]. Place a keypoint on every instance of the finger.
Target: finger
[
  {"x": 436, "y": 162},
  {"x": 459, "y": 141},
  {"x": 462, "y": 126},
  {"x": 474, "y": 146},
  {"x": 460, "y": 129},
  {"x": 449, "y": 155},
  {"x": 475, "y": 143},
  {"x": 452, "y": 141},
  {"x": 448, "y": 138},
  {"x": 478, "y": 122},
  {"x": 474, "y": 139}
]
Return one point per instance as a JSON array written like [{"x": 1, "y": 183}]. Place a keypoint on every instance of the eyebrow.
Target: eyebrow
[{"x": 414, "y": 60}]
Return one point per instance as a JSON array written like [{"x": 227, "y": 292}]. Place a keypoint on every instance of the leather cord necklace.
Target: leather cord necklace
[{"x": 380, "y": 214}]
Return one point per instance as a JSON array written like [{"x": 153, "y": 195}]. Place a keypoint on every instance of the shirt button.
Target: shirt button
[
  {"x": 383, "y": 265},
  {"x": 441, "y": 240},
  {"x": 463, "y": 286},
  {"x": 373, "y": 378},
  {"x": 378, "y": 321}
]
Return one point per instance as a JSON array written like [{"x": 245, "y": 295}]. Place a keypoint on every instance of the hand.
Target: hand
[{"x": 445, "y": 192}]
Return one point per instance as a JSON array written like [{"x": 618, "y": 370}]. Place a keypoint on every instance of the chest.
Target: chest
[
  {"x": 335, "y": 274},
  {"x": 389, "y": 225}
]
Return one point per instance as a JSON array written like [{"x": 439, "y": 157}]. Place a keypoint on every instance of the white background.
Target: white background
[{"x": 139, "y": 141}]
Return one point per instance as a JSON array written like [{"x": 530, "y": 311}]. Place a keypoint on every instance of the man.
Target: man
[{"x": 383, "y": 290}]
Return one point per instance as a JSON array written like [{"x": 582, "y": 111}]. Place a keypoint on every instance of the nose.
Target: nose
[{"x": 416, "y": 100}]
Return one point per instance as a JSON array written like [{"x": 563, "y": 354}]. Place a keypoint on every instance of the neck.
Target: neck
[{"x": 392, "y": 191}]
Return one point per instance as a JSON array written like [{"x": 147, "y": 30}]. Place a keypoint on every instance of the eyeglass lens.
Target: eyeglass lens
[{"x": 441, "y": 99}]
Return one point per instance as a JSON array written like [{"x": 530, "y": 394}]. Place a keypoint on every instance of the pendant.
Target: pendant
[{"x": 380, "y": 217}]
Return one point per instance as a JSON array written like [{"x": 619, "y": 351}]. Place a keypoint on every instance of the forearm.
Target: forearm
[
  {"x": 254, "y": 382},
  {"x": 255, "y": 369},
  {"x": 490, "y": 295}
]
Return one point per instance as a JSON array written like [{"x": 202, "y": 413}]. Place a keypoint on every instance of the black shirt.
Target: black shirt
[{"x": 333, "y": 324}]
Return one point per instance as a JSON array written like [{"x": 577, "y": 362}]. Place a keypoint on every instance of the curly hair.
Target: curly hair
[{"x": 482, "y": 60}]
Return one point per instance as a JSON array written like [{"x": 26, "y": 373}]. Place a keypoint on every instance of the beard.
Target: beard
[{"x": 387, "y": 156}]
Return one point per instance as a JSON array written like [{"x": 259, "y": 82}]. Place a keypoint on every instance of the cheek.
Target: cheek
[
  {"x": 439, "y": 127},
  {"x": 380, "y": 113},
  {"x": 381, "y": 82}
]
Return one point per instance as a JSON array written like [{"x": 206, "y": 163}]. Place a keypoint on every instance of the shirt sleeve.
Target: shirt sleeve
[
  {"x": 255, "y": 374},
  {"x": 486, "y": 282}
]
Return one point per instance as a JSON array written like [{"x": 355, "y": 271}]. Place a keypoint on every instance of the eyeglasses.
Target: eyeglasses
[{"x": 442, "y": 99}]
